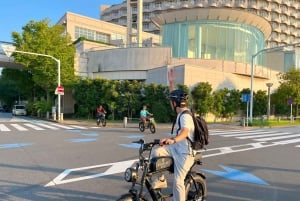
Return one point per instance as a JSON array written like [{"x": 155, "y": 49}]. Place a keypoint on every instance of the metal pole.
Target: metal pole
[
  {"x": 252, "y": 72},
  {"x": 269, "y": 85},
  {"x": 58, "y": 95},
  {"x": 58, "y": 69},
  {"x": 251, "y": 89}
]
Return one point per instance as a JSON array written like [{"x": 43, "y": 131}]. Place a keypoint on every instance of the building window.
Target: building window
[
  {"x": 91, "y": 34},
  {"x": 213, "y": 39}
]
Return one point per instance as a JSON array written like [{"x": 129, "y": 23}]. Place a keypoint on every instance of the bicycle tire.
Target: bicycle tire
[
  {"x": 103, "y": 122},
  {"x": 142, "y": 126},
  {"x": 126, "y": 197},
  {"x": 195, "y": 188},
  {"x": 152, "y": 128}
]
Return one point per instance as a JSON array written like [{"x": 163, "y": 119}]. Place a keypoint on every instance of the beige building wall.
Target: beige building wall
[
  {"x": 126, "y": 63},
  {"x": 191, "y": 75},
  {"x": 114, "y": 31}
]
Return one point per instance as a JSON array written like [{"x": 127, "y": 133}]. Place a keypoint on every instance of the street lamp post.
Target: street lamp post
[
  {"x": 269, "y": 85},
  {"x": 9, "y": 49},
  {"x": 252, "y": 72}
]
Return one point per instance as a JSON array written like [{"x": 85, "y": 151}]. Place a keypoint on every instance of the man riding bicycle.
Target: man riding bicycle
[{"x": 101, "y": 112}]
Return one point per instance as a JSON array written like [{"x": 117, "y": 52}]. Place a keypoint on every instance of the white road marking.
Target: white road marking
[
  {"x": 119, "y": 167},
  {"x": 61, "y": 126},
  {"x": 80, "y": 127},
  {"x": 257, "y": 135},
  {"x": 113, "y": 168},
  {"x": 229, "y": 132},
  {"x": 34, "y": 127},
  {"x": 47, "y": 126},
  {"x": 18, "y": 127},
  {"x": 244, "y": 134},
  {"x": 288, "y": 142},
  {"x": 278, "y": 137},
  {"x": 3, "y": 128}
]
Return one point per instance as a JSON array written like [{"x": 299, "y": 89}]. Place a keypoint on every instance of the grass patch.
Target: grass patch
[{"x": 274, "y": 123}]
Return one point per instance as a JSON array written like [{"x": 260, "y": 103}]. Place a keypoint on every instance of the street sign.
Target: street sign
[
  {"x": 290, "y": 101},
  {"x": 245, "y": 97},
  {"x": 60, "y": 90}
]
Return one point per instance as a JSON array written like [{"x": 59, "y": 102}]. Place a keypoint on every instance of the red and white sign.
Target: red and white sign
[{"x": 60, "y": 90}]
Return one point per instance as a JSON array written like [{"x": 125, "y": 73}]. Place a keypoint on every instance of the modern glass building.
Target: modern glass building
[
  {"x": 217, "y": 29},
  {"x": 211, "y": 39}
]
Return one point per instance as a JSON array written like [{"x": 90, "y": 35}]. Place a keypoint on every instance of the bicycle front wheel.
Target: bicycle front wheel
[{"x": 152, "y": 128}]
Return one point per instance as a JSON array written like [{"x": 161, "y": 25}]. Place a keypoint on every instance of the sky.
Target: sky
[{"x": 14, "y": 14}]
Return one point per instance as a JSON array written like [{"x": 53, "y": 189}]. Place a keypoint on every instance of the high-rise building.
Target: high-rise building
[{"x": 219, "y": 29}]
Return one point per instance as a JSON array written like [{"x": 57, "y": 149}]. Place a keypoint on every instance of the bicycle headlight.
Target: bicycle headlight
[{"x": 130, "y": 175}]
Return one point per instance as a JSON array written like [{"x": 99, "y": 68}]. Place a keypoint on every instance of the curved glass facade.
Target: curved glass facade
[{"x": 213, "y": 39}]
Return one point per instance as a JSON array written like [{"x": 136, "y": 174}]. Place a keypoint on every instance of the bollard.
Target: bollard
[
  {"x": 54, "y": 116},
  {"x": 47, "y": 115},
  {"x": 125, "y": 122},
  {"x": 61, "y": 116}
]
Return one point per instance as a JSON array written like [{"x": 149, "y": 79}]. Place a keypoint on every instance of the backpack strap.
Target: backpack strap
[{"x": 179, "y": 125}]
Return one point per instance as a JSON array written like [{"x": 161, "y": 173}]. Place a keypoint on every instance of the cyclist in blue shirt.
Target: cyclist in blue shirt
[{"x": 144, "y": 114}]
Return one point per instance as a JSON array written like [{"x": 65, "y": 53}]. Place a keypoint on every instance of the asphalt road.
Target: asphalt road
[{"x": 46, "y": 161}]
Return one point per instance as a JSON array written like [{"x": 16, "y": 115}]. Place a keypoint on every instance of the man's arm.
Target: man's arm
[{"x": 171, "y": 79}]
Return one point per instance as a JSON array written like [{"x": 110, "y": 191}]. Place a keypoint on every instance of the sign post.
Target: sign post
[
  {"x": 290, "y": 102},
  {"x": 246, "y": 98},
  {"x": 60, "y": 90}
]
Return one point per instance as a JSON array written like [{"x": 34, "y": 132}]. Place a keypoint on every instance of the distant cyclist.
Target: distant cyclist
[
  {"x": 144, "y": 113},
  {"x": 101, "y": 112}
]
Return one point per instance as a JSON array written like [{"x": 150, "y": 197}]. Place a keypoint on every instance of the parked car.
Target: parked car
[{"x": 19, "y": 110}]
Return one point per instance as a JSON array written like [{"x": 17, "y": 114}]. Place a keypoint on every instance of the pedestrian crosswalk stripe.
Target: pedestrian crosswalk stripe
[
  {"x": 20, "y": 128},
  {"x": 277, "y": 138},
  {"x": 80, "y": 127},
  {"x": 4, "y": 128},
  {"x": 243, "y": 134},
  {"x": 34, "y": 127},
  {"x": 289, "y": 141},
  {"x": 47, "y": 126},
  {"x": 61, "y": 126},
  {"x": 37, "y": 126},
  {"x": 270, "y": 136},
  {"x": 258, "y": 135},
  {"x": 228, "y": 132}
]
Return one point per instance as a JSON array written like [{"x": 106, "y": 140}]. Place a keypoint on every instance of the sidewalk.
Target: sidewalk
[{"x": 227, "y": 125}]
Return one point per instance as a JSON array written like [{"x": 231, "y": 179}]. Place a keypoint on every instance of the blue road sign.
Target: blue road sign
[{"x": 245, "y": 97}]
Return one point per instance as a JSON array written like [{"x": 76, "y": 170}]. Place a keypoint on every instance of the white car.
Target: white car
[{"x": 19, "y": 110}]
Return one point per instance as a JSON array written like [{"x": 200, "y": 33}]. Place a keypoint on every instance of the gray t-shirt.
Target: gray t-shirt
[{"x": 186, "y": 121}]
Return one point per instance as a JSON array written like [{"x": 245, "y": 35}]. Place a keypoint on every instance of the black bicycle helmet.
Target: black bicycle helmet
[{"x": 179, "y": 96}]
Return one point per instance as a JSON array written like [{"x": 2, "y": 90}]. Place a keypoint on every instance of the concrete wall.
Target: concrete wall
[{"x": 128, "y": 59}]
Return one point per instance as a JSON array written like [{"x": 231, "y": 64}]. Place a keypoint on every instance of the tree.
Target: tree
[
  {"x": 202, "y": 99},
  {"x": 291, "y": 80},
  {"x": 260, "y": 101},
  {"x": 226, "y": 103},
  {"x": 280, "y": 99},
  {"x": 39, "y": 37}
]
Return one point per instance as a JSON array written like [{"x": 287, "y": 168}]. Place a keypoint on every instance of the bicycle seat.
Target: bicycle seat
[{"x": 162, "y": 163}]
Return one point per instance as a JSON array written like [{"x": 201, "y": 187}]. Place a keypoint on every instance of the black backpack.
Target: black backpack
[{"x": 201, "y": 133}]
